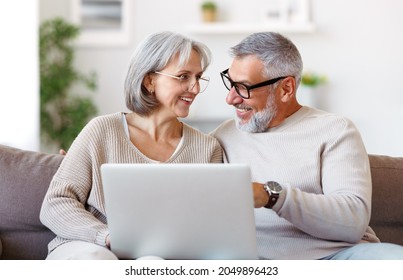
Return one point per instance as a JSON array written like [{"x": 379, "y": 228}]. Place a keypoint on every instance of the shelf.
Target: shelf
[{"x": 244, "y": 28}]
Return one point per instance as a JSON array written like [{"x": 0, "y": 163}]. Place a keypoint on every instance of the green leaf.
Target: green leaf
[
  {"x": 312, "y": 80},
  {"x": 63, "y": 113}
]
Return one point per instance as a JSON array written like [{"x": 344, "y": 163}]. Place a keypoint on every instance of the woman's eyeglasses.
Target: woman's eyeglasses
[{"x": 188, "y": 82}]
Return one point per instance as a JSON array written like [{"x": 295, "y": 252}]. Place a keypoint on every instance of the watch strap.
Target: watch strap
[{"x": 273, "y": 197}]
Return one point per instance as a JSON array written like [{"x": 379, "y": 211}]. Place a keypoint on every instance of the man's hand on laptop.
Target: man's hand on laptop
[{"x": 260, "y": 196}]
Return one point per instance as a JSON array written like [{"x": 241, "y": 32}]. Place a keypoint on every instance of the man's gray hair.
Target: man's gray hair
[
  {"x": 153, "y": 54},
  {"x": 279, "y": 55}
]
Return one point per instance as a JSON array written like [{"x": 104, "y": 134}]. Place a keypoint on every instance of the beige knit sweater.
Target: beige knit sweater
[
  {"x": 322, "y": 163},
  {"x": 74, "y": 204}
]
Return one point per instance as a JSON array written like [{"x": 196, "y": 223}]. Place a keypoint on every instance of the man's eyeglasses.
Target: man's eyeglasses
[
  {"x": 242, "y": 89},
  {"x": 188, "y": 82}
]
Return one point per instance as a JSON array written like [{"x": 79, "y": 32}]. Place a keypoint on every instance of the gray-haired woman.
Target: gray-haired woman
[{"x": 165, "y": 76}]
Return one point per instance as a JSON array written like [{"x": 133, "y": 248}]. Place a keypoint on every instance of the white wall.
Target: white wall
[
  {"x": 19, "y": 86},
  {"x": 357, "y": 44}
]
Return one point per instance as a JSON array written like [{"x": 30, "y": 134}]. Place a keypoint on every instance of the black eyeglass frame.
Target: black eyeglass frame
[{"x": 248, "y": 88}]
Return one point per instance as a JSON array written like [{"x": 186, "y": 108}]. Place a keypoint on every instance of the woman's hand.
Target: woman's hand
[{"x": 108, "y": 242}]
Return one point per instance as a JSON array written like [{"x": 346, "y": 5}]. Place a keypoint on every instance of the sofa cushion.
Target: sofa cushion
[
  {"x": 24, "y": 180},
  {"x": 387, "y": 197}
]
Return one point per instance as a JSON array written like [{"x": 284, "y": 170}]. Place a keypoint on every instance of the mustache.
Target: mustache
[{"x": 242, "y": 107}]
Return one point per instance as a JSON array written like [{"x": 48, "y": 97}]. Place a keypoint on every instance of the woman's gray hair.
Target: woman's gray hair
[
  {"x": 279, "y": 55},
  {"x": 154, "y": 54}
]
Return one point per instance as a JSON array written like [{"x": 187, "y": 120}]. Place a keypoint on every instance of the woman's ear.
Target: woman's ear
[
  {"x": 149, "y": 83},
  {"x": 288, "y": 88}
]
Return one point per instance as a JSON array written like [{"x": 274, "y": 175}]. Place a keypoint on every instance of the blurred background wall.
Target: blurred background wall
[
  {"x": 356, "y": 44},
  {"x": 19, "y": 81}
]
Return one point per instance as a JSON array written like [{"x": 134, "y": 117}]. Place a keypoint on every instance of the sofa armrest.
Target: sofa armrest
[
  {"x": 387, "y": 197},
  {"x": 24, "y": 181}
]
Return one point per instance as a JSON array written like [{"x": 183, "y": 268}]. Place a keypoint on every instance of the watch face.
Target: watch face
[{"x": 274, "y": 187}]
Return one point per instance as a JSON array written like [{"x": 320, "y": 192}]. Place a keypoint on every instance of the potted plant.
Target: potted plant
[
  {"x": 63, "y": 113},
  {"x": 310, "y": 92},
  {"x": 209, "y": 11},
  {"x": 310, "y": 79}
]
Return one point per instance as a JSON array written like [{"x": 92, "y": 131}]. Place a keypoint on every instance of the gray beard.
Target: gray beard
[{"x": 260, "y": 121}]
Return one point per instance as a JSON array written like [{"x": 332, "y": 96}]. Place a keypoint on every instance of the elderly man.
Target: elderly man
[{"x": 312, "y": 184}]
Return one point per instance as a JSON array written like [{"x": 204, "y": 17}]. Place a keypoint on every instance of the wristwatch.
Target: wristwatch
[{"x": 273, "y": 189}]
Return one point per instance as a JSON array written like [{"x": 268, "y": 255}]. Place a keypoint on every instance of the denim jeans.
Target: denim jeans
[{"x": 369, "y": 251}]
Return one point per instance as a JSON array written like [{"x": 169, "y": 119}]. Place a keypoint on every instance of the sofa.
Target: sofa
[{"x": 25, "y": 177}]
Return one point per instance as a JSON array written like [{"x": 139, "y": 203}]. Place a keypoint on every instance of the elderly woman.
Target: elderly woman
[{"x": 165, "y": 76}]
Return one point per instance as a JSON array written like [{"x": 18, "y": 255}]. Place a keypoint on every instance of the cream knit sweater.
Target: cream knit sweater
[
  {"x": 321, "y": 161},
  {"x": 74, "y": 204}
]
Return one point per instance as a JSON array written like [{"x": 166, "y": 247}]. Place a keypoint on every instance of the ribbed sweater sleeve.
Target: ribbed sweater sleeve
[{"x": 73, "y": 207}]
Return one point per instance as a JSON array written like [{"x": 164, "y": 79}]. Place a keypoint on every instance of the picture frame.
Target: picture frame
[
  {"x": 103, "y": 23},
  {"x": 298, "y": 11},
  {"x": 286, "y": 11}
]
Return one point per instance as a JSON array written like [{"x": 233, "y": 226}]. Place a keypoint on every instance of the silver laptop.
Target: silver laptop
[{"x": 180, "y": 211}]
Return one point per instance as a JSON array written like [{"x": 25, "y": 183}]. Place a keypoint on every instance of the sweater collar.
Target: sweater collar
[{"x": 291, "y": 120}]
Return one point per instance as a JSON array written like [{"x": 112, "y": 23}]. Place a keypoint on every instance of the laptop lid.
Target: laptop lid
[{"x": 180, "y": 211}]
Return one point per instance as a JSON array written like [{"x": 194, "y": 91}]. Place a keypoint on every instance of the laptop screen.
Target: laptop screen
[{"x": 180, "y": 211}]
